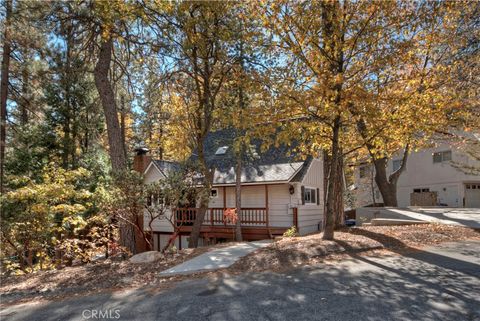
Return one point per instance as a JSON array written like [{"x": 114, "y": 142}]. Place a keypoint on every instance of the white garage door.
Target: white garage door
[{"x": 472, "y": 195}]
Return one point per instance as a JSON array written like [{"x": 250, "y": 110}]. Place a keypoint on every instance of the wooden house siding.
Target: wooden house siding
[
  {"x": 311, "y": 215},
  {"x": 280, "y": 205},
  {"x": 314, "y": 175}
]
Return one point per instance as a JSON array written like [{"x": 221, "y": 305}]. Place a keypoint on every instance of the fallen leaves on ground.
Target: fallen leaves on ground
[
  {"x": 372, "y": 240},
  {"x": 279, "y": 256},
  {"x": 103, "y": 275}
]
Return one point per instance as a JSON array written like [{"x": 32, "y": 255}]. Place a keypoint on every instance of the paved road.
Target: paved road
[{"x": 441, "y": 283}]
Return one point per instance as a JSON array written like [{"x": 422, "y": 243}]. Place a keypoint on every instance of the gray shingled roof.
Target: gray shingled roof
[
  {"x": 276, "y": 164},
  {"x": 272, "y": 165},
  {"x": 166, "y": 166}
]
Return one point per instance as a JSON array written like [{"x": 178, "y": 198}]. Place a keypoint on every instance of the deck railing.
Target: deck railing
[{"x": 250, "y": 216}]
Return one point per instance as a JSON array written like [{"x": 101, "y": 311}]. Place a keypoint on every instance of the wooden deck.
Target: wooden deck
[{"x": 254, "y": 223}]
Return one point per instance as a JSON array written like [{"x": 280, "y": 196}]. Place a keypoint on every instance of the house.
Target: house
[
  {"x": 279, "y": 191},
  {"x": 434, "y": 174}
]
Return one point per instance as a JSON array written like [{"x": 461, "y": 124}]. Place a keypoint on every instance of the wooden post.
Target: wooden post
[
  {"x": 295, "y": 218},
  {"x": 224, "y": 198},
  {"x": 266, "y": 210},
  {"x": 224, "y": 203}
]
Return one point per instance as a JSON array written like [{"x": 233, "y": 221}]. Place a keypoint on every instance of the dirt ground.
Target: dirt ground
[
  {"x": 372, "y": 240},
  {"x": 280, "y": 255},
  {"x": 102, "y": 275}
]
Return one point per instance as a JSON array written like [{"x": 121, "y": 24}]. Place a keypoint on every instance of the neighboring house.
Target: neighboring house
[
  {"x": 278, "y": 191},
  {"x": 435, "y": 171}
]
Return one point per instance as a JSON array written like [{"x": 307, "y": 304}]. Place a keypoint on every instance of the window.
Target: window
[
  {"x": 473, "y": 186},
  {"x": 364, "y": 170},
  {"x": 310, "y": 195},
  {"x": 252, "y": 150},
  {"x": 155, "y": 200},
  {"x": 221, "y": 150},
  {"x": 397, "y": 163},
  {"x": 214, "y": 193},
  {"x": 421, "y": 190},
  {"x": 440, "y": 157}
]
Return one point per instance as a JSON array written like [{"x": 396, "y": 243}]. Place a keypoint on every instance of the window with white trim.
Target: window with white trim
[
  {"x": 214, "y": 193},
  {"x": 440, "y": 157},
  {"x": 310, "y": 195}
]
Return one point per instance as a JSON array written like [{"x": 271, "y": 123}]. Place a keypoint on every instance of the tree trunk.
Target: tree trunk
[
  {"x": 240, "y": 151},
  {"x": 4, "y": 89},
  {"x": 339, "y": 190},
  {"x": 68, "y": 100},
  {"x": 115, "y": 143},
  {"x": 123, "y": 126},
  {"x": 339, "y": 219},
  {"x": 24, "y": 106},
  {"x": 333, "y": 45},
  {"x": 387, "y": 189},
  {"x": 388, "y": 184},
  {"x": 204, "y": 199},
  {"x": 329, "y": 222},
  {"x": 107, "y": 97},
  {"x": 74, "y": 135},
  {"x": 238, "y": 196}
]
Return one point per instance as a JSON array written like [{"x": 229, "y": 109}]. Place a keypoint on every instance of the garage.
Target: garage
[{"x": 472, "y": 195}]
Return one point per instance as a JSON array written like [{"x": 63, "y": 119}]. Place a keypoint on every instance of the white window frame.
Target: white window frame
[
  {"x": 442, "y": 156},
  {"x": 214, "y": 189},
  {"x": 310, "y": 189}
]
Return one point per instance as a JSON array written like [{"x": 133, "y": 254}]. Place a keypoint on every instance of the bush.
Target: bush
[
  {"x": 47, "y": 223},
  {"x": 291, "y": 232}
]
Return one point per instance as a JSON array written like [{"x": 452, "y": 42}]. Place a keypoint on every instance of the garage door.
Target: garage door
[{"x": 472, "y": 195}]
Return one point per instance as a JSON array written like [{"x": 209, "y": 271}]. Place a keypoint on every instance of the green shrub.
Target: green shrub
[{"x": 291, "y": 232}]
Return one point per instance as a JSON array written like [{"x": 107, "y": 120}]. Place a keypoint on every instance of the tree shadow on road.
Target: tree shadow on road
[{"x": 399, "y": 247}]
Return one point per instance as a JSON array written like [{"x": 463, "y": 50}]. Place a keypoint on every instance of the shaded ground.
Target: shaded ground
[
  {"x": 93, "y": 277},
  {"x": 372, "y": 240},
  {"x": 280, "y": 256},
  {"x": 438, "y": 283}
]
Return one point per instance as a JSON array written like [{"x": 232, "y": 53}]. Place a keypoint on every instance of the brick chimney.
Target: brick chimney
[{"x": 141, "y": 159}]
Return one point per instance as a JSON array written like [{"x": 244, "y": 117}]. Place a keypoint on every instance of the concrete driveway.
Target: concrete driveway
[
  {"x": 441, "y": 283},
  {"x": 468, "y": 217}
]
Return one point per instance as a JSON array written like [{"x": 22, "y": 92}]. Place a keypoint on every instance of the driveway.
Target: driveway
[
  {"x": 468, "y": 217},
  {"x": 441, "y": 283}
]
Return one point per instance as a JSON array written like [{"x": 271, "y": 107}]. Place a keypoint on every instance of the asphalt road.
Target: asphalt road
[{"x": 441, "y": 283}]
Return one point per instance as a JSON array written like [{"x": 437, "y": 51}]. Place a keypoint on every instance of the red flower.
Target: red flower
[{"x": 230, "y": 215}]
